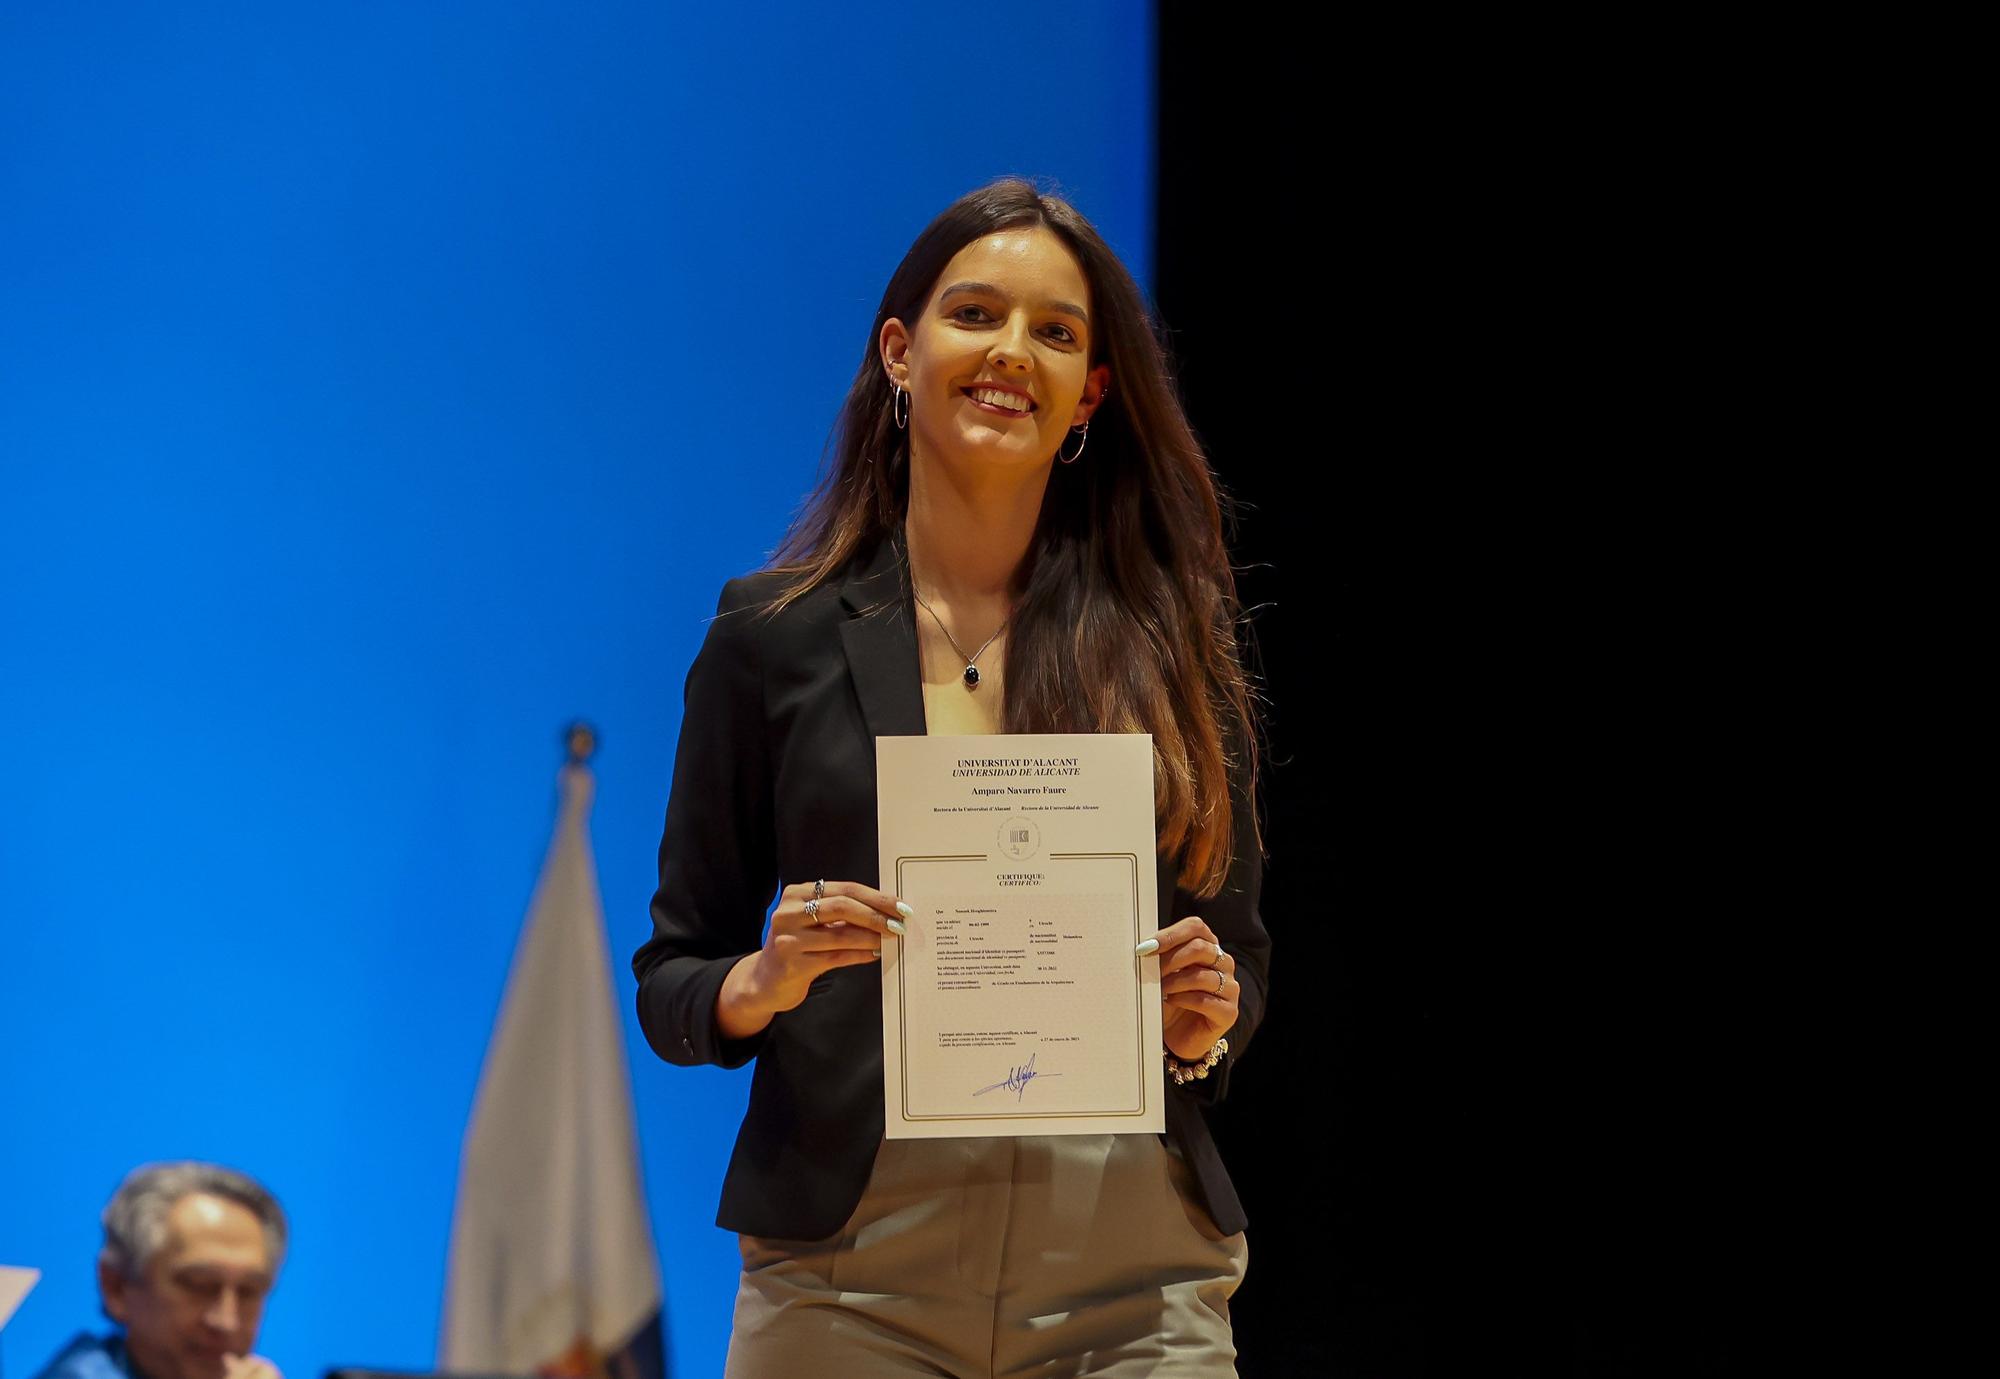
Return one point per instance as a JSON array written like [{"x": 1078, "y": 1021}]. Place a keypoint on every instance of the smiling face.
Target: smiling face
[
  {"x": 998, "y": 364},
  {"x": 200, "y": 1297}
]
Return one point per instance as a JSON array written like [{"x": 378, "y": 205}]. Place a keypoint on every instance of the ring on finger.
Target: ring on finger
[
  {"x": 1220, "y": 982},
  {"x": 819, "y": 889},
  {"x": 812, "y": 911}
]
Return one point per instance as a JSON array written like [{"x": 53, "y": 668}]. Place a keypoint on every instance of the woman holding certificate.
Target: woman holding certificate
[{"x": 1018, "y": 533}]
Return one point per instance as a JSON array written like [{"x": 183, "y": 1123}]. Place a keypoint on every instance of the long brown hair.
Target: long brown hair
[{"x": 1127, "y": 612}]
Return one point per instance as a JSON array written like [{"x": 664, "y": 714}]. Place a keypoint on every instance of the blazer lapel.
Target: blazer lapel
[{"x": 881, "y": 643}]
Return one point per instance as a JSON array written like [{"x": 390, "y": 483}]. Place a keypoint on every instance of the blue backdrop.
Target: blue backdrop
[{"x": 381, "y": 385}]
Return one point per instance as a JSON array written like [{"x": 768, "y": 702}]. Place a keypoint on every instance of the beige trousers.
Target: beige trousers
[{"x": 1052, "y": 1256}]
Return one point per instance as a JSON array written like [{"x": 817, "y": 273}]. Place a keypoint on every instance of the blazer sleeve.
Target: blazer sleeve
[
  {"x": 1232, "y": 913},
  {"x": 718, "y": 853}
]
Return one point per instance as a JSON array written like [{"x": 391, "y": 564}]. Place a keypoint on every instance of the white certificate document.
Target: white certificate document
[{"x": 1015, "y": 1005}]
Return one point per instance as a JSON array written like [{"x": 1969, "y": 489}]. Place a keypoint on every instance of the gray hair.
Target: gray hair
[{"x": 135, "y": 1219}]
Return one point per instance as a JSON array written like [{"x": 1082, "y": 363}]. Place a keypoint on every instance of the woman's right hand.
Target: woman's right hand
[{"x": 853, "y": 920}]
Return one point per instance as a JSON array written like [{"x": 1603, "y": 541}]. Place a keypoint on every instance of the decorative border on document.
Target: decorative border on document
[{"x": 1138, "y": 1007}]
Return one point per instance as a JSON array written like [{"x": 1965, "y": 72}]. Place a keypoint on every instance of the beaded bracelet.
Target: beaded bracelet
[{"x": 1184, "y": 1073}]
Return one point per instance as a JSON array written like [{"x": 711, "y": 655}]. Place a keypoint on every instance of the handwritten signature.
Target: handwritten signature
[{"x": 1017, "y": 1079}]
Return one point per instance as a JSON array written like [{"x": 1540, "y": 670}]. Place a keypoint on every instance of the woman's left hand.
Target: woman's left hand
[{"x": 1198, "y": 988}]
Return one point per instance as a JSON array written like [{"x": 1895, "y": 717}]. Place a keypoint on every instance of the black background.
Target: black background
[{"x": 1499, "y": 1117}]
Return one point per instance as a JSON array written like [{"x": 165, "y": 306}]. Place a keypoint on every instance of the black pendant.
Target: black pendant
[{"x": 972, "y": 677}]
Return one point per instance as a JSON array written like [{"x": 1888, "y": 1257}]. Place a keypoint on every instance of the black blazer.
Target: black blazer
[{"x": 774, "y": 783}]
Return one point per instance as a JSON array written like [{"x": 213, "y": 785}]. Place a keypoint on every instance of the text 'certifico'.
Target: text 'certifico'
[{"x": 1015, "y": 1004}]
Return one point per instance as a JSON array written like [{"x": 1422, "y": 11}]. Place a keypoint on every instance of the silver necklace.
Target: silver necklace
[{"x": 972, "y": 661}]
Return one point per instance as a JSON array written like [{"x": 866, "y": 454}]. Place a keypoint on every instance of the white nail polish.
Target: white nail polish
[
  {"x": 905, "y": 911},
  {"x": 897, "y": 928},
  {"x": 1149, "y": 947}
]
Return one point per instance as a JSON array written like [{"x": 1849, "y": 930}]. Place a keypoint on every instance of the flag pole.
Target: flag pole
[{"x": 553, "y": 1268}]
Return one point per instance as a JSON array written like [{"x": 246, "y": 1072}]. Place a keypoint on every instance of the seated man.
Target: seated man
[{"x": 190, "y": 1251}]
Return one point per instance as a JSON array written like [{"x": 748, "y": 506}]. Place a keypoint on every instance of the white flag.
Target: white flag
[{"x": 552, "y": 1265}]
